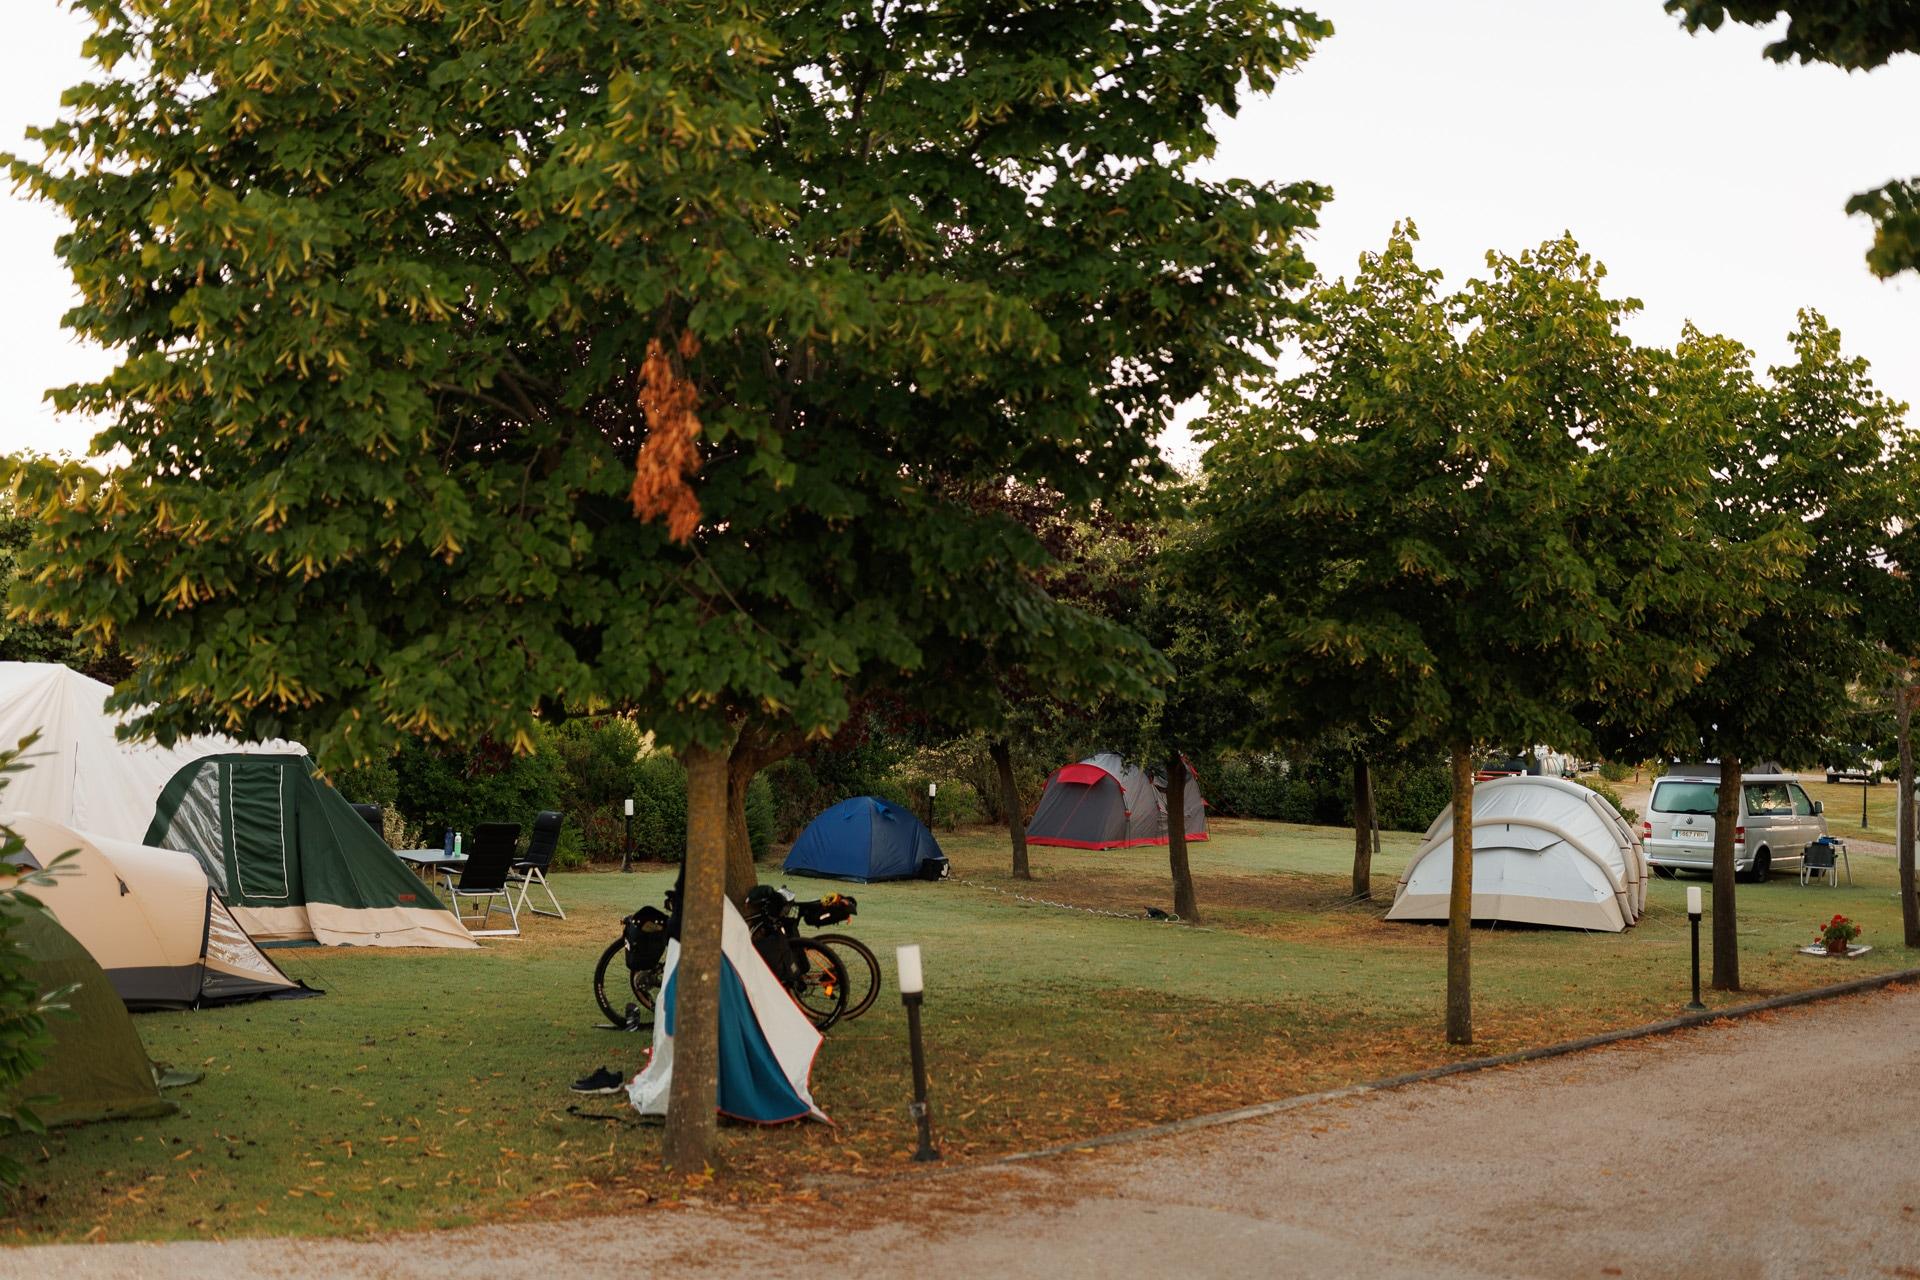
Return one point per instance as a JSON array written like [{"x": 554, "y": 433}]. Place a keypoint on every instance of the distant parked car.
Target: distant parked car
[
  {"x": 1862, "y": 769},
  {"x": 1778, "y": 820},
  {"x": 1500, "y": 767}
]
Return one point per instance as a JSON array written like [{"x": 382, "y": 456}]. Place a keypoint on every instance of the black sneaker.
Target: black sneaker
[{"x": 601, "y": 1081}]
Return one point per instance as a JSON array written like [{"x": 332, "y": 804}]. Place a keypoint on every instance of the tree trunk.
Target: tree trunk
[
  {"x": 1909, "y": 905},
  {"x": 755, "y": 749},
  {"x": 1726, "y": 817},
  {"x": 1460, "y": 904},
  {"x": 1185, "y": 905},
  {"x": 1002, "y": 754},
  {"x": 741, "y": 875},
  {"x": 1362, "y": 830},
  {"x": 696, "y": 1039},
  {"x": 1373, "y": 811}
]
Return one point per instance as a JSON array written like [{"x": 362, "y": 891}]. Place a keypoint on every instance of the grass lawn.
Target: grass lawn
[{"x": 429, "y": 1089}]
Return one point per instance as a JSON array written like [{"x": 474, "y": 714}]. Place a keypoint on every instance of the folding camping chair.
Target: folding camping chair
[
  {"x": 488, "y": 870},
  {"x": 531, "y": 869},
  {"x": 1820, "y": 859}
]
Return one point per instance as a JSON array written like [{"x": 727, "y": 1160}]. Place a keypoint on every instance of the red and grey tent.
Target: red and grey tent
[{"x": 1103, "y": 802}]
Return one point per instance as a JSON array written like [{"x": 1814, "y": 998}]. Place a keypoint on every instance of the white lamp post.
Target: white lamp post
[
  {"x": 912, "y": 990},
  {"x": 1693, "y": 920},
  {"x": 626, "y": 854}
]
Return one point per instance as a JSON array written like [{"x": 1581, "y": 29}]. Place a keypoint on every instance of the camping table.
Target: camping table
[{"x": 428, "y": 862}]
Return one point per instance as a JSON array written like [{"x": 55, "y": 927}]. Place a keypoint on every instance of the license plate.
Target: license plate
[{"x": 1685, "y": 834}]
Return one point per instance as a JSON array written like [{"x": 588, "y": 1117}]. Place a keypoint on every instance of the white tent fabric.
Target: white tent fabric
[
  {"x": 78, "y": 773},
  {"x": 785, "y": 1030},
  {"x": 1545, "y": 851}
]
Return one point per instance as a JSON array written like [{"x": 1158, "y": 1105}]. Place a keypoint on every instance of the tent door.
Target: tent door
[{"x": 256, "y": 810}]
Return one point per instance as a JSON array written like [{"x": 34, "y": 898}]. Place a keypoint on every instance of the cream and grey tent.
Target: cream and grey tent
[
  {"x": 149, "y": 918},
  {"x": 1545, "y": 851},
  {"x": 287, "y": 854},
  {"x": 1105, "y": 802}
]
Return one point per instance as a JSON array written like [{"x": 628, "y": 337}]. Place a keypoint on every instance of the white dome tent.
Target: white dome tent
[{"x": 1545, "y": 851}]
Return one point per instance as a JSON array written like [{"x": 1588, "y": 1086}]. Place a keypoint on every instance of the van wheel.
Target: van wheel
[{"x": 1762, "y": 867}]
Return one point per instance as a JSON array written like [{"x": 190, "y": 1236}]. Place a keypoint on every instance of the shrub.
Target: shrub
[
  {"x": 375, "y": 782},
  {"x": 660, "y": 809},
  {"x": 441, "y": 787},
  {"x": 1614, "y": 771},
  {"x": 598, "y": 769},
  {"x": 1319, "y": 789}
]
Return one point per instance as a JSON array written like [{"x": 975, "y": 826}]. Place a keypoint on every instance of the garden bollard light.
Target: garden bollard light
[
  {"x": 626, "y": 855},
  {"x": 912, "y": 986},
  {"x": 933, "y": 789},
  {"x": 1693, "y": 918}
]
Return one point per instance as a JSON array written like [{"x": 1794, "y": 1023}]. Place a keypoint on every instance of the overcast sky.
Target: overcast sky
[{"x": 1711, "y": 182}]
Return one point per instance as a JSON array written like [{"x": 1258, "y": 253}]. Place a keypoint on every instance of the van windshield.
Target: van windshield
[{"x": 1686, "y": 797}]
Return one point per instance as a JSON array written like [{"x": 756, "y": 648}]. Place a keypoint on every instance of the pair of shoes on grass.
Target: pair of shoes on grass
[{"x": 601, "y": 1081}]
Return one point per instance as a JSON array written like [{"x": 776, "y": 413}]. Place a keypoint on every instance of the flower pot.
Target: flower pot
[{"x": 1837, "y": 948}]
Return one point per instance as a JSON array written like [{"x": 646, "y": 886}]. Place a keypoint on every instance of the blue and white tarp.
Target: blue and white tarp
[{"x": 767, "y": 1043}]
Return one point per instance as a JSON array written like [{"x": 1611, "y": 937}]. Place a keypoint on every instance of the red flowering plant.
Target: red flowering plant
[{"x": 1838, "y": 933}]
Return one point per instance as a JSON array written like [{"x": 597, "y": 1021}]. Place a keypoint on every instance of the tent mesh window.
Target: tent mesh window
[
  {"x": 228, "y": 944},
  {"x": 196, "y": 826}
]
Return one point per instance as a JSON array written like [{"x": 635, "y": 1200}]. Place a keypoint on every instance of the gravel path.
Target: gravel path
[{"x": 1780, "y": 1146}]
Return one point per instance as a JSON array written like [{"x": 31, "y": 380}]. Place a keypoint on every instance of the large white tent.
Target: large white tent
[
  {"x": 1545, "y": 851},
  {"x": 78, "y": 772},
  {"x": 288, "y": 857}
]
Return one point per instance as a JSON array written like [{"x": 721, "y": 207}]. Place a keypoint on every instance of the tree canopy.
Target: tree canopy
[{"x": 394, "y": 289}]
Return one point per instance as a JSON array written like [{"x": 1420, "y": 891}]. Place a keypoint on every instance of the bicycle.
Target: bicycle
[
  {"x": 837, "y": 908},
  {"x": 643, "y": 940},
  {"x": 813, "y": 973}
]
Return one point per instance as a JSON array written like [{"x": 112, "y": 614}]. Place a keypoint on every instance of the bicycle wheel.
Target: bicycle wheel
[
  {"x": 820, "y": 983},
  {"x": 643, "y": 986},
  {"x": 863, "y": 971}
]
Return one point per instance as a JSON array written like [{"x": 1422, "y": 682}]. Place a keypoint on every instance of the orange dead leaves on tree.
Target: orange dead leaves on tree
[{"x": 670, "y": 456}]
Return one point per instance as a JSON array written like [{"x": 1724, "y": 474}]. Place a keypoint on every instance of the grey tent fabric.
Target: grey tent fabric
[{"x": 1104, "y": 802}]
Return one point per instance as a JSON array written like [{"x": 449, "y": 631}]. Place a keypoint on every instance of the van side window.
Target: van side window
[
  {"x": 1768, "y": 799},
  {"x": 1802, "y": 806}
]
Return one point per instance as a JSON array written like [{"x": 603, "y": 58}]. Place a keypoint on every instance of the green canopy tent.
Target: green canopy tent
[
  {"x": 292, "y": 859},
  {"x": 95, "y": 1069}
]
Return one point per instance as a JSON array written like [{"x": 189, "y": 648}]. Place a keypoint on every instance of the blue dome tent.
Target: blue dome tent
[{"x": 867, "y": 839}]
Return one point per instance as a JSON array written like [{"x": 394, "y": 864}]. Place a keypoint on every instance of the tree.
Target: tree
[
  {"x": 1856, "y": 37},
  {"x": 26, "y": 640},
  {"x": 1816, "y": 474},
  {"x": 480, "y": 359},
  {"x": 1438, "y": 527}
]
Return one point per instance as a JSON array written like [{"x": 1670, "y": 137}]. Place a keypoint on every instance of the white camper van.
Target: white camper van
[{"x": 1778, "y": 820}]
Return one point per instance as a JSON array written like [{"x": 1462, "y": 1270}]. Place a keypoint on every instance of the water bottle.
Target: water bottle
[
  {"x": 456, "y": 844},
  {"x": 446, "y": 841}
]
